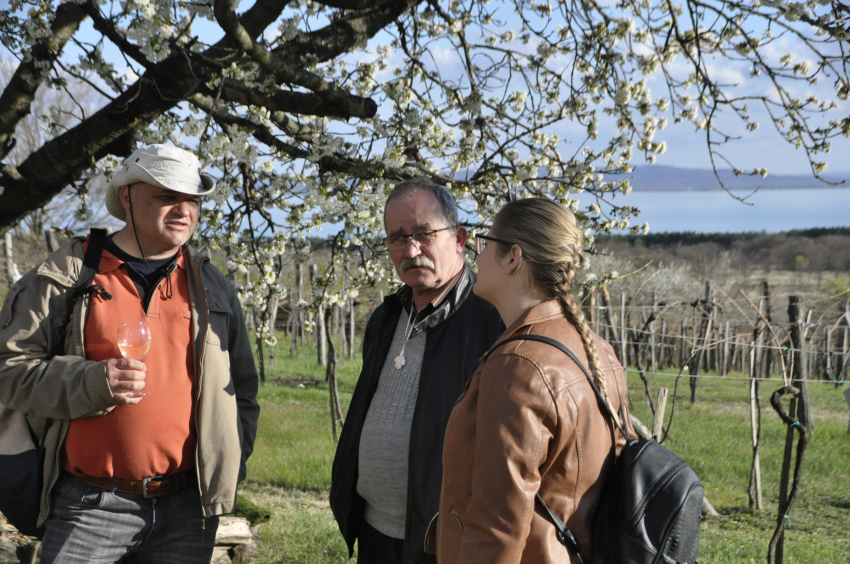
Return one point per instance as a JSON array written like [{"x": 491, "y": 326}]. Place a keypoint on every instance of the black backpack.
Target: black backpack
[{"x": 649, "y": 510}]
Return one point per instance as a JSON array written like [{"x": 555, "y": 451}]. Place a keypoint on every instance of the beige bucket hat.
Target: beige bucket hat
[{"x": 165, "y": 166}]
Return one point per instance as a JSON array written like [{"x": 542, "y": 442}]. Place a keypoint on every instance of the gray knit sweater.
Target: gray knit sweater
[{"x": 385, "y": 439}]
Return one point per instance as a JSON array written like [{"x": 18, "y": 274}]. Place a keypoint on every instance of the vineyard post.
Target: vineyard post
[
  {"x": 594, "y": 312},
  {"x": 623, "y": 358},
  {"x": 288, "y": 330},
  {"x": 793, "y": 409},
  {"x": 767, "y": 356},
  {"x": 321, "y": 329},
  {"x": 351, "y": 347},
  {"x": 845, "y": 369},
  {"x": 847, "y": 400},
  {"x": 612, "y": 321},
  {"x": 331, "y": 375},
  {"x": 799, "y": 364},
  {"x": 339, "y": 322},
  {"x": 741, "y": 346},
  {"x": 658, "y": 420},
  {"x": 701, "y": 335},
  {"x": 724, "y": 368},
  {"x": 274, "y": 303},
  {"x": 829, "y": 367},
  {"x": 754, "y": 489},
  {"x": 344, "y": 346},
  {"x": 295, "y": 310},
  {"x": 653, "y": 360}
]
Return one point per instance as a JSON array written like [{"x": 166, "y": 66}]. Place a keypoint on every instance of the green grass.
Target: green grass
[{"x": 289, "y": 473}]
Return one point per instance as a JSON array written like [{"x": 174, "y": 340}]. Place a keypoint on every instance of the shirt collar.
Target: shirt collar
[
  {"x": 405, "y": 294},
  {"x": 109, "y": 262}
]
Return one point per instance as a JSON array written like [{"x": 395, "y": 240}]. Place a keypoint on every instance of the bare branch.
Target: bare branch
[{"x": 19, "y": 94}]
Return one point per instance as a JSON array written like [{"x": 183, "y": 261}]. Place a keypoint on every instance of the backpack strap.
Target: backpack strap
[
  {"x": 91, "y": 261},
  {"x": 565, "y": 536}
]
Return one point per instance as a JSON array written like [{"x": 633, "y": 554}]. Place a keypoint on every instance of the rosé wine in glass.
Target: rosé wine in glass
[{"x": 134, "y": 341}]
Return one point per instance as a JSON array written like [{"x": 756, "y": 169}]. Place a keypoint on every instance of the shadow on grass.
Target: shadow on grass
[{"x": 838, "y": 504}]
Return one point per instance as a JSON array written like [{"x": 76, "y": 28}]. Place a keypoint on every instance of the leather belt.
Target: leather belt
[{"x": 148, "y": 487}]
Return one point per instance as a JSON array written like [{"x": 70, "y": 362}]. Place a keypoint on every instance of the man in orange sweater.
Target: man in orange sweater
[{"x": 141, "y": 455}]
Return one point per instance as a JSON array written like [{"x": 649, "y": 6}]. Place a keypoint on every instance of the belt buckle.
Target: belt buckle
[{"x": 145, "y": 486}]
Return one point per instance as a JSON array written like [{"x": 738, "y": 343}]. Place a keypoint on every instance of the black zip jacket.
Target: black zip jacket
[{"x": 460, "y": 330}]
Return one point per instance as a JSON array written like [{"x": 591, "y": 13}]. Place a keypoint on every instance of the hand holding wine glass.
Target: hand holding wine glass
[{"x": 134, "y": 341}]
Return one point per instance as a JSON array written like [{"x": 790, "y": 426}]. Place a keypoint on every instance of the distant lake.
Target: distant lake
[{"x": 716, "y": 212}]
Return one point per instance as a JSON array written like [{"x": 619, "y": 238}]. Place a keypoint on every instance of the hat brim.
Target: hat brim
[{"x": 135, "y": 173}]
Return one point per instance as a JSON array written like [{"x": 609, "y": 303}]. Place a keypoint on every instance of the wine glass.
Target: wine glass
[{"x": 134, "y": 340}]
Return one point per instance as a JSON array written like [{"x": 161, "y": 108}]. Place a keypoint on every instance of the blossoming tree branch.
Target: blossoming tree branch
[{"x": 308, "y": 112}]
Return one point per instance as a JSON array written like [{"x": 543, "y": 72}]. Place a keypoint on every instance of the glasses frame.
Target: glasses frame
[
  {"x": 413, "y": 237},
  {"x": 478, "y": 250}
]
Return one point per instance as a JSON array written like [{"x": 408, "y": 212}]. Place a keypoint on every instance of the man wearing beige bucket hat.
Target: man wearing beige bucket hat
[{"x": 141, "y": 456}]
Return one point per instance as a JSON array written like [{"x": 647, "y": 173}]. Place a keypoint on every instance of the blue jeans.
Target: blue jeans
[{"x": 92, "y": 525}]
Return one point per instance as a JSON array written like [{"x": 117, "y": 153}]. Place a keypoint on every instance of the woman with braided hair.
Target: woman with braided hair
[{"x": 529, "y": 421}]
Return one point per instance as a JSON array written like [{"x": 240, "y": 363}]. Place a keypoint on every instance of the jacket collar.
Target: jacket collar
[
  {"x": 441, "y": 308},
  {"x": 544, "y": 311}
]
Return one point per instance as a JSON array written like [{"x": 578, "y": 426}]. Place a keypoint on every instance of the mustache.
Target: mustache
[{"x": 419, "y": 261}]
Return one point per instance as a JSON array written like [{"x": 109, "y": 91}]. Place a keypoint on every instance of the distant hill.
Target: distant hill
[
  {"x": 805, "y": 250},
  {"x": 662, "y": 178}
]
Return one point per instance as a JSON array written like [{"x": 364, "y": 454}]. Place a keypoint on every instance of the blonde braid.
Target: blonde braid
[
  {"x": 575, "y": 316},
  {"x": 550, "y": 238}
]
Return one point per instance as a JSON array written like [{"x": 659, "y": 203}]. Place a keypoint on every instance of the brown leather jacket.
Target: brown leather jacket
[{"x": 527, "y": 422}]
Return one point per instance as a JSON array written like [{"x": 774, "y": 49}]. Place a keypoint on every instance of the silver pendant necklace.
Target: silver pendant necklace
[{"x": 400, "y": 360}]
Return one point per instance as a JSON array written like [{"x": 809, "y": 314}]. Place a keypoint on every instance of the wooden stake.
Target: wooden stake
[
  {"x": 800, "y": 365},
  {"x": 845, "y": 369},
  {"x": 294, "y": 312},
  {"x": 331, "y": 376},
  {"x": 754, "y": 489},
  {"x": 785, "y": 476},
  {"x": 351, "y": 347},
  {"x": 829, "y": 368},
  {"x": 623, "y": 358},
  {"x": 594, "y": 313},
  {"x": 658, "y": 422},
  {"x": 653, "y": 360}
]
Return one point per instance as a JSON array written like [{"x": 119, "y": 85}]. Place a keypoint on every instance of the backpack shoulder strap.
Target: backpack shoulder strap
[
  {"x": 563, "y": 348},
  {"x": 91, "y": 261},
  {"x": 565, "y": 536}
]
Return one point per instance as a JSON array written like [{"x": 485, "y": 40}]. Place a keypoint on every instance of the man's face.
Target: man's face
[
  {"x": 164, "y": 219},
  {"x": 424, "y": 268}
]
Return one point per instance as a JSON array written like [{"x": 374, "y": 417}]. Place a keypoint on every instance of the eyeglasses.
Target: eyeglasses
[
  {"x": 481, "y": 243},
  {"x": 421, "y": 238}
]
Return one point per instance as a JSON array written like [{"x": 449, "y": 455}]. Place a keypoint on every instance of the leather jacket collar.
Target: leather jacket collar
[{"x": 544, "y": 311}]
